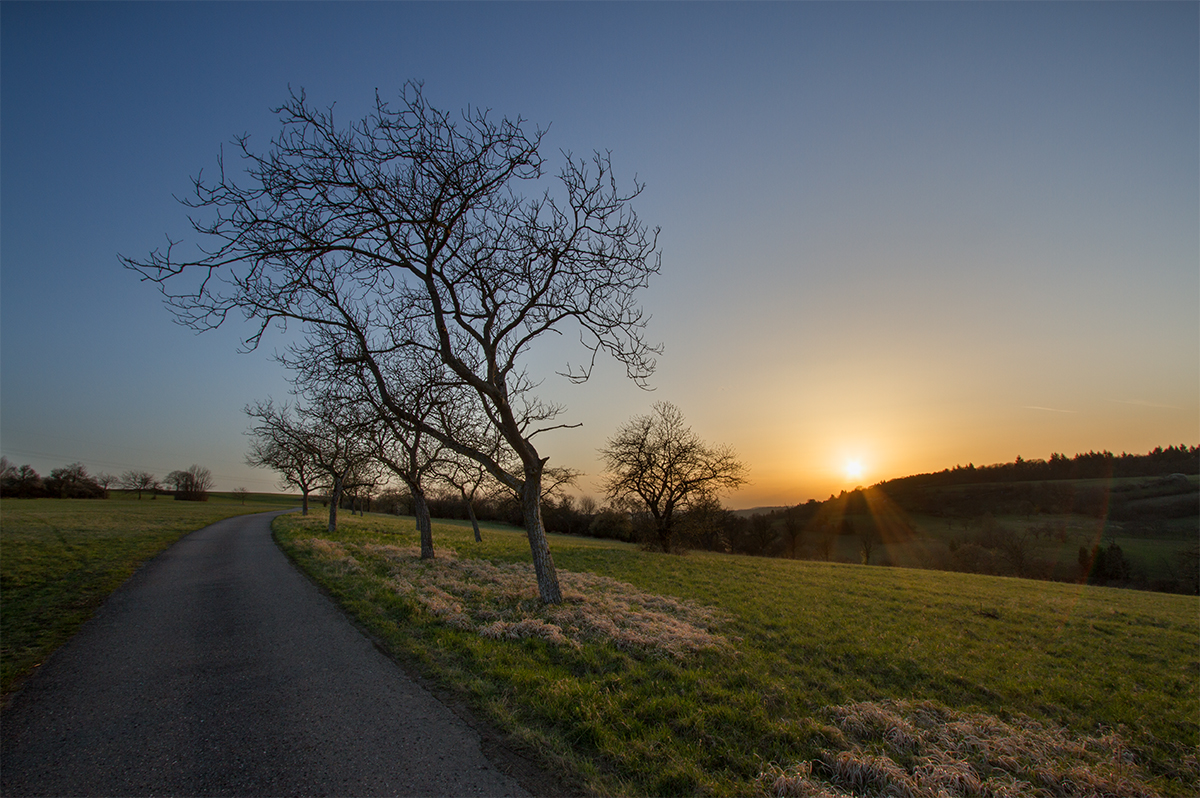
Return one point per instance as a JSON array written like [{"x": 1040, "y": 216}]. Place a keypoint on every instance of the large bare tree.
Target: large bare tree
[
  {"x": 658, "y": 462},
  {"x": 406, "y": 235}
]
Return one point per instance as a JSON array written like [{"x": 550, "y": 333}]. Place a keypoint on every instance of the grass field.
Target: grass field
[
  {"x": 1152, "y": 558},
  {"x": 720, "y": 675},
  {"x": 60, "y": 558}
]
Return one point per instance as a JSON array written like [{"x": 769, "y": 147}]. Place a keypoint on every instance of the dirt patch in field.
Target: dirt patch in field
[
  {"x": 912, "y": 749},
  {"x": 500, "y": 600}
]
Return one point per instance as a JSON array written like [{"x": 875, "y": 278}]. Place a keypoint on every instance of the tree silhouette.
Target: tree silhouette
[
  {"x": 658, "y": 461},
  {"x": 404, "y": 236}
]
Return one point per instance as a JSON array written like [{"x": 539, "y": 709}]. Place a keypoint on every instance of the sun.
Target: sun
[{"x": 853, "y": 469}]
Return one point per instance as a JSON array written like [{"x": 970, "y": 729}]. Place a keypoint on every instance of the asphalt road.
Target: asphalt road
[{"x": 218, "y": 669}]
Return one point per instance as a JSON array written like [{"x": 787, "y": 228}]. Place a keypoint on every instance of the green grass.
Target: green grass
[
  {"x": 60, "y": 558},
  {"x": 1153, "y": 558},
  {"x": 804, "y": 638}
]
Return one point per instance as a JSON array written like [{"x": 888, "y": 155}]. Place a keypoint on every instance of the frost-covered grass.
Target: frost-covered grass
[{"x": 711, "y": 674}]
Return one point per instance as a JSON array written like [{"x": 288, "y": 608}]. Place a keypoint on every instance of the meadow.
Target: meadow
[
  {"x": 60, "y": 558},
  {"x": 711, "y": 674}
]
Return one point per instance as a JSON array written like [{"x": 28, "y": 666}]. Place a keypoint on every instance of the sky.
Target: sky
[{"x": 895, "y": 237}]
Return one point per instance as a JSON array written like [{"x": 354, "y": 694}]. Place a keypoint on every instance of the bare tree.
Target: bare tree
[
  {"x": 281, "y": 442},
  {"x": 1016, "y": 547},
  {"x": 868, "y": 539},
  {"x": 339, "y": 448},
  {"x": 413, "y": 456},
  {"x": 827, "y": 535},
  {"x": 658, "y": 460},
  {"x": 106, "y": 480},
  {"x": 241, "y": 494},
  {"x": 760, "y": 535},
  {"x": 405, "y": 235},
  {"x": 191, "y": 485},
  {"x": 468, "y": 477},
  {"x": 138, "y": 481},
  {"x": 793, "y": 529}
]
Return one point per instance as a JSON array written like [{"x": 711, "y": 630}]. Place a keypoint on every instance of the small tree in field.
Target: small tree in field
[
  {"x": 191, "y": 485},
  {"x": 283, "y": 443},
  {"x": 659, "y": 462},
  {"x": 138, "y": 481}
]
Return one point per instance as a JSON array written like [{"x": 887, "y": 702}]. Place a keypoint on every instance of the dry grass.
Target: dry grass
[
  {"x": 914, "y": 749},
  {"x": 500, "y": 601}
]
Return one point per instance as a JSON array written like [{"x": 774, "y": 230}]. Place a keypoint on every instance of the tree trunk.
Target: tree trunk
[
  {"x": 471, "y": 515},
  {"x": 335, "y": 498},
  {"x": 662, "y": 527},
  {"x": 543, "y": 563},
  {"x": 424, "y": 525},
  {"x": 305, "y": 510}
]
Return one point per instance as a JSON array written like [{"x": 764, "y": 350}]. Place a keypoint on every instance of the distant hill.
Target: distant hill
[
  {"x": 758, "y": 511},
  {"x": 1092, "y": 465},
  {"x": 1118, "y": 520}
]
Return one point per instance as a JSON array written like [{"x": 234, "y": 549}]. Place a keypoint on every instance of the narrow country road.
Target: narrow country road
[{"x": 218, "y": 669}]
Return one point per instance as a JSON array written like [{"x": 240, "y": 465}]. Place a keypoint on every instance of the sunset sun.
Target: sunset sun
[{"x": 853, "y": 469}]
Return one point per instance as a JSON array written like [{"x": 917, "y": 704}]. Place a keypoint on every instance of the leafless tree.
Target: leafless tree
[
  {"x": 1016, "y": 546},
  {"x": 793, "y": 529},
  {"x": 760, "y": 535},
  {"x": 241, "y": 494},
  {"x": 192, "y": 484},
  {"x": 827, "y": 535},
  {"x": 405, "y": 235},
  {"x": 339, "y": 448},
  {"x": 106, "y": 480},
  {"x": 868, "y": 540},
  {"x": 280, "y": 441},
  {"x": 137, "y": 481},
  {"x": 468, "y": 477},
  {"x": 658, "y": 460},
  {"x": 413, "y": 456}
]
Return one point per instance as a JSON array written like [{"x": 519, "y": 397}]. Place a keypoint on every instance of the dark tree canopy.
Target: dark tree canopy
[{"x": 405, "y": 236}]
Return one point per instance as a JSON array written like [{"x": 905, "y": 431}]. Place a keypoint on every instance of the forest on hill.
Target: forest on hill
[
  {"x": 1092, "y": 465},
  {"x": 1122, "y": 520}
]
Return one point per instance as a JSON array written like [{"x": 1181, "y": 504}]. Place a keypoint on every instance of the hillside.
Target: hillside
[
  {"x": 1128, "y": 521},
  {"x": 713, "y": 674}
]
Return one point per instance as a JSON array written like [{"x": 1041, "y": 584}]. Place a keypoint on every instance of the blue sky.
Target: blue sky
[{"x": 907, "y": 234}]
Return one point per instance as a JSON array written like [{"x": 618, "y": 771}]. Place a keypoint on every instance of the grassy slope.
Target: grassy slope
[
  {"x": 809, "y": 636},
  {"x": 1154, "y": 555},
  {"x": 60, "y": 558}
]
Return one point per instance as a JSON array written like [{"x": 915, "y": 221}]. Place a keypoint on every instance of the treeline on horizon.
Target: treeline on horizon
[
  {"x": 74, "y": 482},
  {"x": 1180, "y": 459},
  {"x": 859, "y": 525}
]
